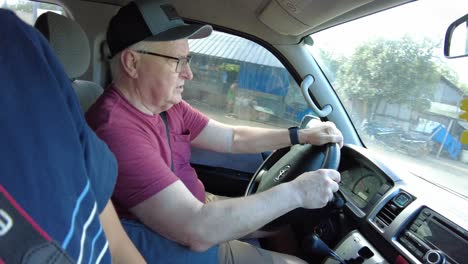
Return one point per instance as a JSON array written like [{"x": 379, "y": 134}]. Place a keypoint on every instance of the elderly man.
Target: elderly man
[{"x": 150, "y": 129}]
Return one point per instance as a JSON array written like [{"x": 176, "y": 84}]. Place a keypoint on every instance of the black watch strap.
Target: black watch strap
[{"x": 293, "y": 136}]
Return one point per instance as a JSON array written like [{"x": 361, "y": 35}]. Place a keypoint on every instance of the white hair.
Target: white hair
[{"x": 115, "y": 64}]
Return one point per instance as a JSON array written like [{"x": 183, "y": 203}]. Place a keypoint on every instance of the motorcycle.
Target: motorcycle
[{"x": 415, "y": 144}]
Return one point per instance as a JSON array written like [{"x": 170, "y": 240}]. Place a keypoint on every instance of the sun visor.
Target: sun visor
[{"x": 294, "y": 17}]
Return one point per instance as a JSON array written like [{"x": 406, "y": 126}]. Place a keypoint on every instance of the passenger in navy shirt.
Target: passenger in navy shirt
[{"x": 56, "y": 176}]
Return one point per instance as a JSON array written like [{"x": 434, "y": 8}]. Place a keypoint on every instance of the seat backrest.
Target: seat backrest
[{"x": 70, "y": 44}]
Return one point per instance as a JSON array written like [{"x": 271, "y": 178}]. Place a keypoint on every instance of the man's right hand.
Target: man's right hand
[{"x": 315, "y": 189}]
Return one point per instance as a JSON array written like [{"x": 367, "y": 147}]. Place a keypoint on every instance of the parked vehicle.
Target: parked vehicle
[
  {"x": 416, "y": 144},
  {"x": 412, "y": 143}
]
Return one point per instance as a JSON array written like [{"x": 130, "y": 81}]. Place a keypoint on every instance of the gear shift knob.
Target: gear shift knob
[
  {"x": 317, "y": 246},
  {"x": 337, "y": 201}
]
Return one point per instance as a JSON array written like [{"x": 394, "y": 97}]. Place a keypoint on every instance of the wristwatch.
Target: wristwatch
[{"x": 293, "y": 136}]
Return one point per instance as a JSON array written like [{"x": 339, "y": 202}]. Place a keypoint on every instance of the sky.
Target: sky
[{"x": 423, "y": 18}]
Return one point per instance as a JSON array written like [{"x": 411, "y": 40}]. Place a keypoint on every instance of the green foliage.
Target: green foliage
[
  {"x": 23, "y": 6},
  {"x": 452, "y": 76},
  {"x": 401, "y": 71},
  {"x": 463, "y": 87},
  {"x": 331, "y": 63},
  {"x": 26, "y": 6},
  {"x": 229, "y": 67}
]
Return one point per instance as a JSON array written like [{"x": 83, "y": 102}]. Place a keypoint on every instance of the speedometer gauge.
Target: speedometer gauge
[{"x": 367, "y": 187}]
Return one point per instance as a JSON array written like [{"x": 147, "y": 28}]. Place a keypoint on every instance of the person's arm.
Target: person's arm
[
  {"x": 121, "y": 247},
  {"x": 184, "y": 219},
  {"x": 242, "y": 139}
]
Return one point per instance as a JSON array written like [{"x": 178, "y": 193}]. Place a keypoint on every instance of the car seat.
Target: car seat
[{"x": 71, "y": 45}]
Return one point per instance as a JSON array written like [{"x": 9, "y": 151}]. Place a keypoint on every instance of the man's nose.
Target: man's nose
[{"x": 187, "y": 73}]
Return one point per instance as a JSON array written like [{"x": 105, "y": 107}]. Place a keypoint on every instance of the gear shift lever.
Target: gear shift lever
[{"x": 316, "y": 245}]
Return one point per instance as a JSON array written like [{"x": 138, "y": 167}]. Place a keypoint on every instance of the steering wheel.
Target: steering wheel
[{"x": 286, "y": 164}]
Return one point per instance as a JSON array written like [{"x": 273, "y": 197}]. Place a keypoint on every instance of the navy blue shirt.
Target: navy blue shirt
[{"x": 51, "y": 163}]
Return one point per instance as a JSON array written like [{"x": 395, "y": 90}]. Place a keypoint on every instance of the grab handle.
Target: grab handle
[{"x": 305, "y": 84}]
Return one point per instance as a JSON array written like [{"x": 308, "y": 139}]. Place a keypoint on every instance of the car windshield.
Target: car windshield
[{"x": 402, "y": 95}]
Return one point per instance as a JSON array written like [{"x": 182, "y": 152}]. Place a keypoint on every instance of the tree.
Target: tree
[
  {"x": 452, "y": 76},
  {"x": 463, "y": 87},
  {"x": 27, "y": 6},
  {"x": 330, "y": 63},
  {"x": 393, "y": 71},
  {"x": 23, "y": 6}
]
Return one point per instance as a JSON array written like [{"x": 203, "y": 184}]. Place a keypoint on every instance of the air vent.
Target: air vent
[
  {"x": 388, "y": 213},
  {"x": 392, "y": 209}
]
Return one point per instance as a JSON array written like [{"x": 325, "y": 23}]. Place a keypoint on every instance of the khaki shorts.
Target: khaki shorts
[
  {"x": 235, "y": 251},
  {"x": 238, "y": 252}
]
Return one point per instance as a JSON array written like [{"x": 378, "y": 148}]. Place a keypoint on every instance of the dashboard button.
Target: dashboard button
[
  {"x": 426, "y": 212},
  {"x": 418, "y": 254},
  {"x": 410, "y": 247},
  {"x": 404, "y": 241},
  {"x": 422, "y": 217}
]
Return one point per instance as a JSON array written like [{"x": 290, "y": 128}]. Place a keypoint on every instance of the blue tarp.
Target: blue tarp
[
  {"x": 451, "y": 144},
  {"x": 272, "y": 80}
]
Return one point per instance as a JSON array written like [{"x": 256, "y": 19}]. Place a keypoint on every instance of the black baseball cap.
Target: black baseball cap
[{"x": 149, "y": 20}]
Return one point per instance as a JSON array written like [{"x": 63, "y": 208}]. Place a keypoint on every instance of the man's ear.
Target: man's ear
[{"x": 129, "y": 62}]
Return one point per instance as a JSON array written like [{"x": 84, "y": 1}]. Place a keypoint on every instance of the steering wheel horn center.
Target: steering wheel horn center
[{"x": 282, "y": 173}]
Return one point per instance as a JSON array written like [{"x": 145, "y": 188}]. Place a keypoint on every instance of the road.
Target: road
[{"x": 450, "y": 173}]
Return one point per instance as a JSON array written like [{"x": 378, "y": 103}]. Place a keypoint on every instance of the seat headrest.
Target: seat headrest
[{"x": 68, "y": 40}]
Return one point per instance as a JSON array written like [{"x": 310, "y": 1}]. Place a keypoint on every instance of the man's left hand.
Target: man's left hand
[{"x": 320, "y": 133}]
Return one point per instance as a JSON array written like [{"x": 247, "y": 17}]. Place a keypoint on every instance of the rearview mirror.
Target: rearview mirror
[{"x": 456, "y": 39}]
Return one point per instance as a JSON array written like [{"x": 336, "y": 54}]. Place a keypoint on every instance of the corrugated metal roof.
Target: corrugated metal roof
[{"x": 227, "y": 46}]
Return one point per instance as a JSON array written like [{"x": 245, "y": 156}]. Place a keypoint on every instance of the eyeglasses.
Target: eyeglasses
[{"x": 181, "y": 62}]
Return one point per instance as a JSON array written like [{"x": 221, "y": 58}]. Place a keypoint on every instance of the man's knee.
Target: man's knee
[{"x": 237, "y": 252}]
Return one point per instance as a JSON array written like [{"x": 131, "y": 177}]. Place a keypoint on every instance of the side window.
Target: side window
[
  {"x": 239, "y": 82},
  {"x": 29, "y": 11}
]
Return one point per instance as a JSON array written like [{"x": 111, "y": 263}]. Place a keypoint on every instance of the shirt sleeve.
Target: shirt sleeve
[
  {"x": 142, "y": 170},
  {"x": 100, "y": 165},
  {"x": 194, "y": 120}
]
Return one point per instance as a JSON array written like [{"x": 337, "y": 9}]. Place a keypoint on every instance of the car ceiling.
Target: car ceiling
[{"x": 276, "y": 21}]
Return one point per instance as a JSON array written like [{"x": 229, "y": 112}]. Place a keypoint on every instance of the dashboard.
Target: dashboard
[{"x": 399, "y": 216}]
